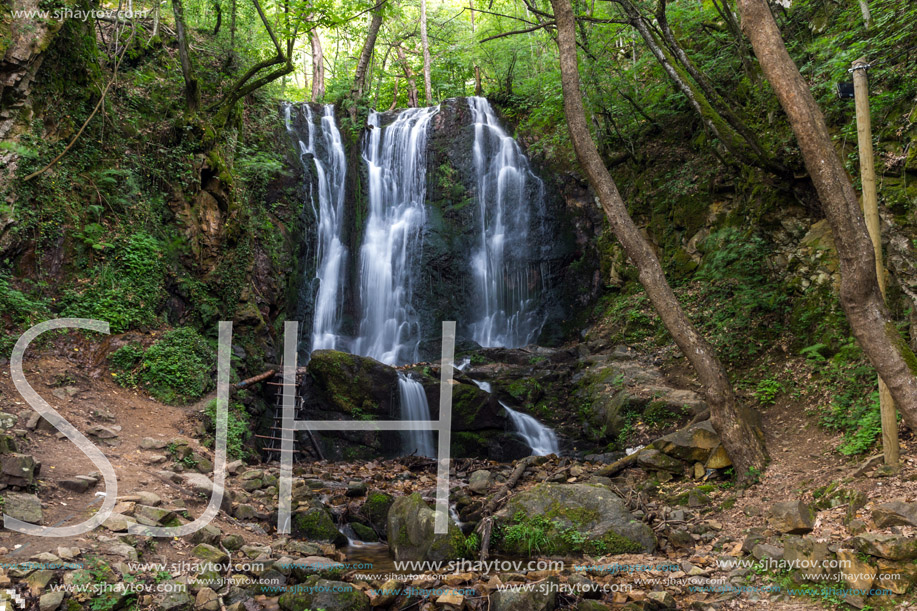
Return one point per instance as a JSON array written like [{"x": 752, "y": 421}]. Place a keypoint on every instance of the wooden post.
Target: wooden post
[{"x": 871, "y": 211}]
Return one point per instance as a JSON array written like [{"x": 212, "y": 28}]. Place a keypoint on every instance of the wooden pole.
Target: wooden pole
[{"x": 890, "y": 446}]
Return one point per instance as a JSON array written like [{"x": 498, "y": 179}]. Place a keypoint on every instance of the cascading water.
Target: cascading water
[
  {"x": 540, "y": 438},
  {"x": 507, "y": 283},
  {"x": 328, "y": 164},
  {"x": 414, "y": 406},
  {"x": 537, "y": 436},
  {"x": 396, "y": 157}
]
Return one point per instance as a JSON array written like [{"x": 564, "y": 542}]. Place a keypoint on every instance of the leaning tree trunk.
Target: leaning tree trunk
[
  {"x": 409, "y": 77},
  {"x": 425, "y": 44},
  {"x": 192, "y": 90},
  {"x": 359, "y": 78},
  {"x": 860, "y": 297},
  {"x": 741, "y": 438},
  {"x": 318, "y": 68}
]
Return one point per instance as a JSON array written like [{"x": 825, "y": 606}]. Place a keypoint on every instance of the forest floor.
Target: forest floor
[{"x": 71, "y": 378}]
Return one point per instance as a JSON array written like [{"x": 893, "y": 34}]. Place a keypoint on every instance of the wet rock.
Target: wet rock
[
  {"x": 895, "y": 513},
  {"x": 792, "y": 517},
  {"x": 375, "y": 509},
  {"x": 593, "y": 511},
  {"x": 411, "y": 536},
  {"x": 316, "y": 524}
]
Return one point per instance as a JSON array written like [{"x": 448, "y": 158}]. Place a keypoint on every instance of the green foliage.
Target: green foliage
[
  {"x": 767, "y": 391},
  {"x": 238, "y": 428},
  {"x": 125, "y": 361},
  {"x": 178, "y": 367},
  {"x": 18, "y": 310},
  {"x": 528, "y": 533},
  {"x": 127, "y": 289}
]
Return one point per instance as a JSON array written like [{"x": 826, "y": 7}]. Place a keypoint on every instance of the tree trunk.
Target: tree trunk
[
  {"x": 477, "y": 68},
  {"x": 394, "y": 97},
  {"x": 219, "y": 10},
  {"x": 192, "y": 90},
  {"x": 409, "y": 76},
  {"x": 232, "y": 28},
  {"x": 425, "y": 45},
  {"x": 870, "y": 320},
  {"x": 318, "y": 67},
  {"x": 740, "y": 437},
  {"x": 359, "y": 79}
]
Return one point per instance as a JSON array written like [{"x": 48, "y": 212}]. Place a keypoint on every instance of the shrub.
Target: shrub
[
  {"x": 178, "y": 367},
  {"x": 238, "y": 428},
  {"x": 125, "y": 361}
]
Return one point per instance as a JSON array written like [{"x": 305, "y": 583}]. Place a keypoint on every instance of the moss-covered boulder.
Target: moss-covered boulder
[
  {"x": 316, "y": 524},
  {"x": 692, "y": 444},
  {"x": 325, "y": 594},
  {"x": 570, "y": 519},
  {"x": 375, "y": 509},
  {"x": 411, "y": 536},
  {"x": 355, "y": 385}
]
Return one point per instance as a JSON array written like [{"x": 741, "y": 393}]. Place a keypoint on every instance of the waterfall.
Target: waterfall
[
  {"x": 396, "y": 159},
  {"x": 508, "y": 285},
  {"x": 540, "y": 438},
  {"x": 327, "y": 163},
  {"x": 414, "y": 406}
]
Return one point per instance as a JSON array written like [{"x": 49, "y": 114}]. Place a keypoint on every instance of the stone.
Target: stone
[
  {"x": 207, "y": 600},
  {"x": 154, "y": 516},
  {"x": 364, "y": 533},
  {"x": 39, "y": 580},
  {"x": 895, "y": 513},
  {"x": 719, "y": 459},
  {"x": 251, "y": 474},
  {"x": 451, "y": 598},
  {"x": 593, "y": 511},
  {"x": 681, "y": 538},
  {"x": 233, "y": 467},
  {"x": 18, "y": 470},
  {"x": 22, "y": 506},
  {"x": 856, "y": 573},
  {"x": 233, "y": 542},
  {"x": 121, "y": 549},
  {"x": 699, "y": 470},
  {"x": 809, "y": 557},
  {"x": 118, "y": 522},
  {"x": 890, "y": 547},
  {"x": 327, "y": 595},
  {"x": 8, "y": 421},
  {"x": 411, "y": 536},
  {"x": 662, "y": 599},
  {"x": 791, "y": 517},
  {"x": 175, "y": 600},
  {"x": 74, "y": 484},
  {"x": 375, "y": 509},
  {"x": 524, "y": 600},
  {"x": 150, "y": 499},
  {"x": 765, "y": 550},
  {"x": 386, "y": 595},
  {"x": 209, "y": 553},
  {"x": 316, "y": 524},
  {"x": 209, "y": 534},
  {"x": 149, "y": 443},
  {"x": 896, "y": 576},
  {"x": 244, "y": 512},
  {"x": 50, "y": 601},
  {"x": 654, "y": 460},
  {"x": 250, "y": 485},
  {"x": 356, "y": 488},
  {"x": 103, "y": 432},
  {"x": 480, "y": 482},
  {"x": 692, "y": 444}
]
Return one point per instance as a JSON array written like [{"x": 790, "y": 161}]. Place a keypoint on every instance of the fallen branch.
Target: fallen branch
[{"x": 254, "y": 379}]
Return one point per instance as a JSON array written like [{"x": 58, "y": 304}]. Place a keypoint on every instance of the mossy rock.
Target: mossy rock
[
  {"x": 315, "y": 524},
  {"x": 375, "y": 509},
  {"x": 570, "y": 519},
  {"x": 354, "y": 385},
  {"x": 325, "y": 594},
  {"x": 364, "y": 533},
  {"x": 411, "y": 536}
]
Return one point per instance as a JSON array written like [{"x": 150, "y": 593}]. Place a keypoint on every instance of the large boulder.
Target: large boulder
[
  {"x": 525, "y": 599},
  {"x": 18, "y": 470},
  {"x": 25, "y": 507},
  {"x": 692, "y": 444},
  {"x": 355, "y": 385},
  {"x": 316, "y": 524},
  {"x": 895, "y": 513},
  {"x": 570, "y": 518},
  {"x": 890, "y": 547},
  {"x": 411, "y": 536},
  {"x": 792, "y": 517},
  {"x": 375, "y": 509}
]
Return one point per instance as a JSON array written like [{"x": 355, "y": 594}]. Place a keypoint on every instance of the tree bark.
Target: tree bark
[
  {"x": 741, "y": 438},
  {"x": 409, "y": 77},
  {"x": 394, "y": 97},
  {"x": 219, "y": 10},
  {"x": 359, "y": 78},
  {"x": 870, "y": 320},
  {"x": 192, "y": 89},
  {"x": 425, "y": 45},
  {"x": 318, "y": 67}
]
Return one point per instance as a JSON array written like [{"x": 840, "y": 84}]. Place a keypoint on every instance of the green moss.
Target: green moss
[
  {"x": 901, "y": 346},
  {"x": 316, "y": 525},
  {"x": 364, "y": 533}
]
